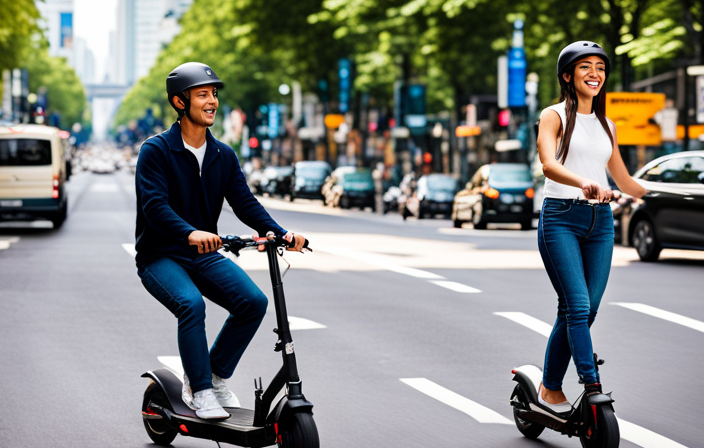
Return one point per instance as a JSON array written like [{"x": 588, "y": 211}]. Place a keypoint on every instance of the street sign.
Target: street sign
[
  {"x": 632, "y": 114},
  {"x": 502, "y": 82},
  {"x": 467, "y": 131},
  {"x": 333, "y": 121}
]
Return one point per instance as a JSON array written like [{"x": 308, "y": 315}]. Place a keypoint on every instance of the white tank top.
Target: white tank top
[{"x": 590, "y": 151}]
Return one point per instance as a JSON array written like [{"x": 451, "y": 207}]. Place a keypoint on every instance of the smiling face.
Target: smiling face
[
  {"x": 204, "y": 104},
  {"x": 589, "y": 77}
]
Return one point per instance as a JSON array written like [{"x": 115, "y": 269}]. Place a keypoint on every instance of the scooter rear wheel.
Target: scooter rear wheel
[
  {"x": 602, "y": 433},
  {"x": 528, "y": 429},
  {"x": 158, "y": 430},
  {"x": 301, "y": 432}
]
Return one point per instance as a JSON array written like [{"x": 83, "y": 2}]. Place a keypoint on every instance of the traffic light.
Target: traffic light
[{"x": 504, "y": 117}]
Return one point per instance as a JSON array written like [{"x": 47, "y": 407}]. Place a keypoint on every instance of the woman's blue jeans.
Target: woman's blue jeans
[
  {"x": 576, "y": 241},
  {"x": 180, "y": 287}
]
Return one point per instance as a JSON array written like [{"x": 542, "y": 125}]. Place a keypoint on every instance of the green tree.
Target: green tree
[
  {"x": 18, "y": 27},
  {"x": 64, "y": 91}
]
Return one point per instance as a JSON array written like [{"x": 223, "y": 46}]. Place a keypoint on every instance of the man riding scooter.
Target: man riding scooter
[{"x": 183, "y": 177}]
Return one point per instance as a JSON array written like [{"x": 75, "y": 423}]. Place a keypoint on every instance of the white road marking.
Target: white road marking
[
  {"x": 377, "y": 260},
  {"x": 130, "y": 249},
  {"x": 475, "y": 410},
  {"x": 454, "y": 286},
  {"x": 629, "y": 431},
  {"x": 644, "y": 437},
  {"x": 299, "y": 323},
  {"x": 105, "y": 188},
  {"x": 528, "y": 321},
  {"x": 662, "y": 314},
  {"x": 172, "y": 363},
  {"x": 5, "y": 242}
]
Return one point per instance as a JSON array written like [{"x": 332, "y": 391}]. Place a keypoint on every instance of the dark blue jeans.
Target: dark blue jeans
[
  {"x": 180, "y": 287},
  {"x": 576, "y": 241}
]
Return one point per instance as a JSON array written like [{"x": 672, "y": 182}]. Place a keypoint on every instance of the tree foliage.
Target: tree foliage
[
  {"x": 449, "y": 45},
  {"x": 18, "y": 27}
]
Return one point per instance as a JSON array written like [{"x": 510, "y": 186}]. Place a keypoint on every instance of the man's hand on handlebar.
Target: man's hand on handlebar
[
  {"x": 205, "y": 242},
  {"x": 296, "y": 241}
]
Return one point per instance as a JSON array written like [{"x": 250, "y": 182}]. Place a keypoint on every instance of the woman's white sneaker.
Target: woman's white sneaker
[
  {"x": 207, "y": 406},
  {"x": 559, "y": 408},
  {"x": 224, "y": 396}
]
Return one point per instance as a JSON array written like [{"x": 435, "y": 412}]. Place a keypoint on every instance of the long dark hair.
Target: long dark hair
[{"x": 569, "y": 95}]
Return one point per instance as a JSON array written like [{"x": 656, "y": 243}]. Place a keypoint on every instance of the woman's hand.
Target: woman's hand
[
  {"x": 206, "y": 242},
  {"x": 592, "y": 190}
]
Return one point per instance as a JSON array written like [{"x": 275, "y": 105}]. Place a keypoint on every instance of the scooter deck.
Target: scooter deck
[{"x": 236, "y": 430}]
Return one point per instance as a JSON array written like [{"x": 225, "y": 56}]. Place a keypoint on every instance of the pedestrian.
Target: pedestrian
[
  {"x": 183, "y": 177},
  {"x": 576, "y": 142}
]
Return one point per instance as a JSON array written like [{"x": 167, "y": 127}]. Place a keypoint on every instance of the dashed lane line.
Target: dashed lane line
[
  {"x": 629, "y": 431},
  {"x": 662, "y": 314},
  {"x": 454, "y": 286},
  {"x": 295, "y": 323},
  {"x": 528, "y": 321},
  {"x": 388, "y": 264},
  {"x": 475, "y": 410}
]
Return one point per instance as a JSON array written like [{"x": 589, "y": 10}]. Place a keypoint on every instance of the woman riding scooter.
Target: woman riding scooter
[
  {"x": 183, "y": 177},
  {"x": 575, "y": 233}
]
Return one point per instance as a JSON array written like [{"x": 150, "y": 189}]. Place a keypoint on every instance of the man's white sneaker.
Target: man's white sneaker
[
  {"x": 225, "y": 397},
  {"x": 207, "y": 406}
]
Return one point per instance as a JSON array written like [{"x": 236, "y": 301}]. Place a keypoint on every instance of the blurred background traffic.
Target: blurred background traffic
[{"x": 425, "y": 107}]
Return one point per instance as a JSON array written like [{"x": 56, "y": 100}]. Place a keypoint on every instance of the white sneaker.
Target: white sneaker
[
  {"x": 207, "y": 406},
  {"x": 225, "y": 397},
  {"x": 186, "y": 393}
]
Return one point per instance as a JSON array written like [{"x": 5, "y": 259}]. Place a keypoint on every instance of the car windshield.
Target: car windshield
[
  {"x": 443, "y": 183},
  {"x": 363, "y": 179},
  {"x": 680, "y": 170},
  {"x": 312, "y": 172},
  {"x": 25, "y": 152},
  {"x": 509, "y": 174}
]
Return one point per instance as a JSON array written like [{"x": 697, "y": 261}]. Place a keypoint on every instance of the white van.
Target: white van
[{"x": 32, "y": 174}]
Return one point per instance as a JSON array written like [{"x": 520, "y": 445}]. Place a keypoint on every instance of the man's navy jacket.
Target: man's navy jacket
[{"x": 175, "y": 197}]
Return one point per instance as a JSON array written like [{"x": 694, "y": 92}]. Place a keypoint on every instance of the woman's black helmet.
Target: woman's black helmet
[
  {"x": 579, "y": 50},
  {"x": 187, "y": 76}
]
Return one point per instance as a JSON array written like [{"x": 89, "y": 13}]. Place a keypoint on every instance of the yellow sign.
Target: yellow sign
[
  {"x": 467, "y": 131},
  {"x": 633, "y": 113},
  {"x": 333, "y": 121}
]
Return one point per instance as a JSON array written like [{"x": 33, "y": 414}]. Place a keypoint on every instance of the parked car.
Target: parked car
[
  {"x": 276, "y": 180},
  {"x": 307, "y": 179},
  {"x": 497, "y": 193},
  {"x": 671, "y": 215},
  {"x": 349, "y": 187},
  {"x": 435, "y": 195},
  {"x": 32, "y": 174}
]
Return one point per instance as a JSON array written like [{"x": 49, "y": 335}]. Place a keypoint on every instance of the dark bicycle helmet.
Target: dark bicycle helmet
[
  {"x": 578, "y": 50},
  {"x": 187, "y": 76}
]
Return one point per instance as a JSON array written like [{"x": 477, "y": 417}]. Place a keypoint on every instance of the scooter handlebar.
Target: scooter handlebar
[{"x": 235, "y": 244}]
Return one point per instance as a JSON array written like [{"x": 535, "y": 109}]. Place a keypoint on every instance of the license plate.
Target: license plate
[
  {"x": 516, "y": 208},
  {"x": 11, "y": 203}
]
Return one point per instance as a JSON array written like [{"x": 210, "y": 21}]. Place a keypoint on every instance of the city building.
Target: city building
[{"x": 57, "y": 21}]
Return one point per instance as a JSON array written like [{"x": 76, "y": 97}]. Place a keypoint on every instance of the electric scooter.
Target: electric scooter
[
  {"x": 592, "y": 418},
  {"x": 289, "y": 424}
]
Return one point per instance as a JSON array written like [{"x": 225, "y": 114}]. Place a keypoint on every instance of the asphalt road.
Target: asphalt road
[{"x": 418, "y": 328}]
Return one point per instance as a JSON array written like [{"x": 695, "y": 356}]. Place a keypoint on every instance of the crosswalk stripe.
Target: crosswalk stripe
[
  {"x": 528, "y": 321},
  {"x": 629, "y": 431},
  {"x": 662, "y": 314},
  {"x": 475, "y": 410}
]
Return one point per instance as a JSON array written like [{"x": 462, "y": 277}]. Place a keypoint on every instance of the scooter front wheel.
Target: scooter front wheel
[
  {"x": 528, "y": 429},
  {"x": 158, "y": 430},
  {"x": 601, "y": 428},
  {"x": 300, "y": 432}
]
